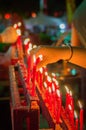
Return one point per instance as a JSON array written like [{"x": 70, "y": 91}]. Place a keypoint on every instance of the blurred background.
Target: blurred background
[{"x": 44, "y": 22}]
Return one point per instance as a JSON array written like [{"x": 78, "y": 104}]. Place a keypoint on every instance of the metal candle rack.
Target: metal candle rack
[{"x": 26, "y": 113}]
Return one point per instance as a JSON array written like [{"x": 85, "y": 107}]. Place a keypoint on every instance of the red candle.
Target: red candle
[
  {"x": 34, "y": 76},
  {"x": 50, "y": 99},
  {"x": 41, "y": 78},
  {"x": 81, "y": 115},
  {"x": 55, "y": 82},
  {"x": 67, "y": 99},
  {"x": 54, "y": 100},
  {"x": 71, "y": 101},
  {"x": 19, "y": 44},
  {"x": 59, "y": 105},
  {"x": 76, "y": 120},
  {"x": 49, "y": 81},
  {"x": 46, "y": 93},
  {"x": 29, "y": 64},
  {"x": 81, "y": 119},
  {"x": 26, "y": 44},
  {"x": 29, "y": 68},
  {"x": 54, "y": 75},
  {"x": 71, "y": 115}
]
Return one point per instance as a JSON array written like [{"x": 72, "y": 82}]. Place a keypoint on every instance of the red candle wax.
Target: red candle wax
[
  {"x": 81, "y": 115},
  {"x": 59, "y": 105},
  {"x": 76, "y": 120},
  {"x": 81, "y": 119}
]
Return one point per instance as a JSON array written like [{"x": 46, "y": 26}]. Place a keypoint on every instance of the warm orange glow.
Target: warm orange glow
[{"x": 33, "y": 14}]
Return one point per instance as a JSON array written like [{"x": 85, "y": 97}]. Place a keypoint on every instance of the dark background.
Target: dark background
[{"x": 24, "y": 6}]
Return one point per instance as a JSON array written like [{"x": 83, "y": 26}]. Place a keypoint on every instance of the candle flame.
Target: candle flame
[
  {"x": 70, "y": 107},
  {"x": 15, "y": 25},
  {"x": 67, "y": 89},
  {"x": 53, "y": 87},
  {"x": 70, "y": 93},
  {"x": 45, "y": 84},
  {"x": 49, "y": 78},
  {"x": 58, "y": 93},
  {"x": 30, "y": 47},
  {"x": 19, "y": 24},
  {"x": 49, "y": 90},
  {"x": 75, "y": 114},
  {"x": 56, "y": 82},
  {"x": 34, "y": 46},
  {"x": 18, "y": 32},
  {"x": 53, "y": 74},
  {"x": 80, "y": 104},
  {"x": 34, "y": 58},
  {"x": 46, "y": 73},
  {"x": 26, "y": 41},
  {"x": 41, "y": 70},
  {"x": 41, "y": 57}
]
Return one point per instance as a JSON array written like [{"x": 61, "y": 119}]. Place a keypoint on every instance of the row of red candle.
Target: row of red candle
[{"x": 69, "y": 98}]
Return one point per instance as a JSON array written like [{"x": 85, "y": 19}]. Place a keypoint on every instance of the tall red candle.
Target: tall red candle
[
  {"x": 26, "y": 46},
  {"x": 67, "y": 99},
  {"x": 71, "y": 115},
  {"x": 76, "y": 120},
  {"x": 41, "y": 78},
  {"x": 34, "y": 76},
  {"x": 59, "y": 105},
  {"x": 81, "y": 115},
  {"x": 54, "y": 100}
]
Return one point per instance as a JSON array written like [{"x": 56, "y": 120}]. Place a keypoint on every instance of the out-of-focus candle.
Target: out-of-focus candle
[
  {"x": 41, "y": 78},
  {"x": 55, "y": 82},
  {"x": 46, "y": 93},
  {"x": 54, "y": 100},
  {"x": 34, "y": 76},
  {"x": 71, "y": 101},
  {"x": 81, "y": 115},
  {"x": 26, "y": 44},
  {"x": 19, "y": 44},
  {"x": 50, "y": 99},
  {"x": 59, "y": 105},
  {"x": 53, "y": 75},
  {"x": 67, "y": 98},
  {"x": 49, "y": 81},
  {"x": 71, "y": 115},
  {"x": 76, "y": 120}
]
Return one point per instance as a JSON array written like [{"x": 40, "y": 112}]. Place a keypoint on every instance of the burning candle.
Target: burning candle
[
  {"x": 41, "y": 78},
  {"x": 55, "y": 82},
  {"x": 71, "y": 101},
  {"x": 46, "y": 93},
  {"x": 19, "y": 44},
  {"x": 67, "y": 99},
  {"x": 76, "y": 120},
  {"x": 81, "y": 115},
  {"x": 26, "y": 44},
  {"x": 50, "y": 99},
  {"x": 59, "y": 105},
  {"x": 53, "y": 75},
  {"x": 29, "y": 63},
  {"x": 49, "y": 81},
  {"x": 54, "y": 100},
  {"x": 33, "y": 75},
  {"x": 71, "y": 115}
]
